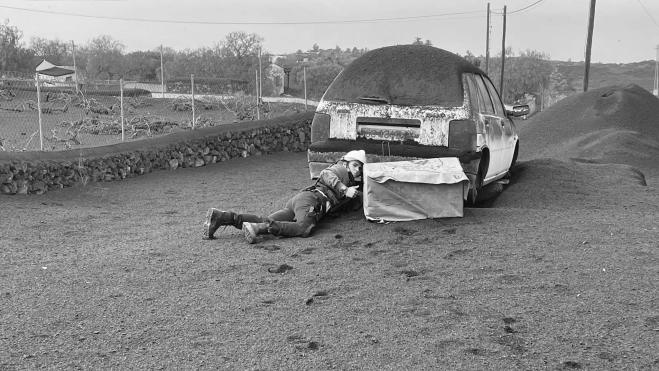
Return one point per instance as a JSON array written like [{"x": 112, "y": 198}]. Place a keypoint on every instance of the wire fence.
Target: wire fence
[{"x": 49, "y": 114}]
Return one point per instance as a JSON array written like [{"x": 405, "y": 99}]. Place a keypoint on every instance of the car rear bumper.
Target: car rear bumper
[{"x": 325, "y": 153}]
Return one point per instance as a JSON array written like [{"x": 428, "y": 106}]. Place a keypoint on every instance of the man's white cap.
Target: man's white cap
[{"x": 359, "y": 155}]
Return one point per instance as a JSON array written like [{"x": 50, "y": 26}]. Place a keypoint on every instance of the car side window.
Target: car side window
[
  {"x": 498, "y": 106},
  {"x": 489, "y": 108},
  {"x": 474, "y": 96}
]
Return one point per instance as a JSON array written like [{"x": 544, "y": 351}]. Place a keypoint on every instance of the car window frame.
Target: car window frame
[
  {"x": 482, "y": 88},
  {"x": 480, "y": 102},
  {"x": 496, "y": 98}
]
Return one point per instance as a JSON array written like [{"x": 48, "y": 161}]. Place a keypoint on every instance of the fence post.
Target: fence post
[
  {"x": 162, "y": 74},
  {"x": 192, "y": 87},
  {"x": 258, "y": 108},
  {"x": 39, "y": 108},
  {"x": 304, "y": 71},
  {"x": 121, "y": 103},
  {"x": 75, "y": 69}
]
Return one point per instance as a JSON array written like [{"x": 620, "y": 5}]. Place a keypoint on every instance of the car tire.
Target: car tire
[{"x": 472, "y": 195}]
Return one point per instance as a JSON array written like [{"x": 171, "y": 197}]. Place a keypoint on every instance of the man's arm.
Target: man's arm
[{"x": 331, "y": 179}]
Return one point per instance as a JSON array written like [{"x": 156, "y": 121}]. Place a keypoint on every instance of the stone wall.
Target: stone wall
[{"x": 40, "y": 172}]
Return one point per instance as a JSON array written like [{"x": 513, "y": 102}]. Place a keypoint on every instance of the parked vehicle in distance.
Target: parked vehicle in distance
[{"x": 409, "y": 102}]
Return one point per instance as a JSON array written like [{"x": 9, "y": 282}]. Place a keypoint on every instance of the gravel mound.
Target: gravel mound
[
  {"x": 552, "y": 183},
  {"x": 614, "y": 124}
]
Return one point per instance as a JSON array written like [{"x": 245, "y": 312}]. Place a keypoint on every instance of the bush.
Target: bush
[{"x": 206, "y": 85}]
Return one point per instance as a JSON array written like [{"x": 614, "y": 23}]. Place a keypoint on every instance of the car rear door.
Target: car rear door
[
  {"x": 493, "y": 128},
  {"x": 508, "y": 139}
]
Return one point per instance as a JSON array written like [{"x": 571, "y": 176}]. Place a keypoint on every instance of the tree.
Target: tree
[
  {"x": 318, "y": 78},
  {"x": 239, "y": 44},
  {"x": 11, "y": 49},
  {"x": 476, "y": 61},
  {"x": 417, "y": 41},
  {"x": 41, "y": 46},
  {"x": 428, "y": 43},
  {"x": 104, "y": 57},
  {"x": 142, "y": 65},
  {"x": 529, "y": 73},
  {"x": 315, "y": 48}
]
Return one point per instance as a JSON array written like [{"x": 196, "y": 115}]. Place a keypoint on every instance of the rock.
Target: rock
[
  {"x": 38, "y": 186},
  {"x": 198, "y": 162},
  {"x": 173, "y": 164},
  {"x": 22, "y": 188}
]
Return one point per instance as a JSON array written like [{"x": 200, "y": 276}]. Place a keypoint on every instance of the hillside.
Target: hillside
[{"x": 608, "y": 74}]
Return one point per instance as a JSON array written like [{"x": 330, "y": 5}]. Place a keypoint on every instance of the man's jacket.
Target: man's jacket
[{"x": 333, "y": 183}]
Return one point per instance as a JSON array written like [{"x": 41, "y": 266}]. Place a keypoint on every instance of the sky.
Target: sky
[{"x": 625, "y": 31}]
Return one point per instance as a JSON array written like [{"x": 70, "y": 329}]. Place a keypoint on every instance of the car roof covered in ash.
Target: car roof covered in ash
[{"x": 407, "y": 75}]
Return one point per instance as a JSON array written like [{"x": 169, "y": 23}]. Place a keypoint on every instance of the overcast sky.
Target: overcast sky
[{"x": 625, "y": 30}]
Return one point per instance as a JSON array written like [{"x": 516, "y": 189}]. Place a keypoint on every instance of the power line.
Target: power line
[
  {"x": 419, "y": 17},
  {"x": 655, "y": 22},
  {"x": 520, "y": 10}
]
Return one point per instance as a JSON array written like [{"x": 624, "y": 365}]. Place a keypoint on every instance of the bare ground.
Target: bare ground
[{"x": 560, "y": 272}]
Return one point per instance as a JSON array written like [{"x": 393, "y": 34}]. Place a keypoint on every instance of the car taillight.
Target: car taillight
[
  {"x": 462, "y": 135},
  {"x": 320, "y": 127}
]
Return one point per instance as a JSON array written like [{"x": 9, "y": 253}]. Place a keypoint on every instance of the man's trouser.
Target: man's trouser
[{"x": 296, "y": 219}]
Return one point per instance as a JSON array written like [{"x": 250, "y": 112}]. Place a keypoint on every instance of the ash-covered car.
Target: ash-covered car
[{"x": 410, "y": 102}]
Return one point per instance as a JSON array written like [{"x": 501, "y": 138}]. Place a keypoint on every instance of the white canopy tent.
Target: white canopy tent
[{"x": 61, "y": 72}]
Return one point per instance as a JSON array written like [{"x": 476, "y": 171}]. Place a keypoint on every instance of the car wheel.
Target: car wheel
[{"x": 472, "y": 195}]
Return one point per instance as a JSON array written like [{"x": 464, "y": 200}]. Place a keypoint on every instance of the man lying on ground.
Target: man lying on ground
[{"x": 335, "y": 186}]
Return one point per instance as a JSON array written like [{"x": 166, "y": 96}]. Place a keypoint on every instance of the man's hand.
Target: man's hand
[{"x": 351, "y": 192}]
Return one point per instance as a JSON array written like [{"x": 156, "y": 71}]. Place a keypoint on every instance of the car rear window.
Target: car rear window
[{"x": 406, "y": 75}]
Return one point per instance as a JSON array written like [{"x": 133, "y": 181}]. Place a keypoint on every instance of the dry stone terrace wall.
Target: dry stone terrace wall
[{"x": 40, "y": 172}]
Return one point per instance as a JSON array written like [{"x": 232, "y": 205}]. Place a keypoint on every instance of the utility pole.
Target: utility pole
[
  {"x": 487, "y": 41},
  {"x": 655, "y": 91},
  {"x": 503, "y": 52},
  {"x": 589, "y": 44}
]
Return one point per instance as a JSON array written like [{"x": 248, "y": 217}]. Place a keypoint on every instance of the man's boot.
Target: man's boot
[
  {"x": 253, "y": 230},
  {"x": 215, "y": 219}
]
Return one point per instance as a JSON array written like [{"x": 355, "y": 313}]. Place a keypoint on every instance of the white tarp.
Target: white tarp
[{"x": 411, "y": 190}]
